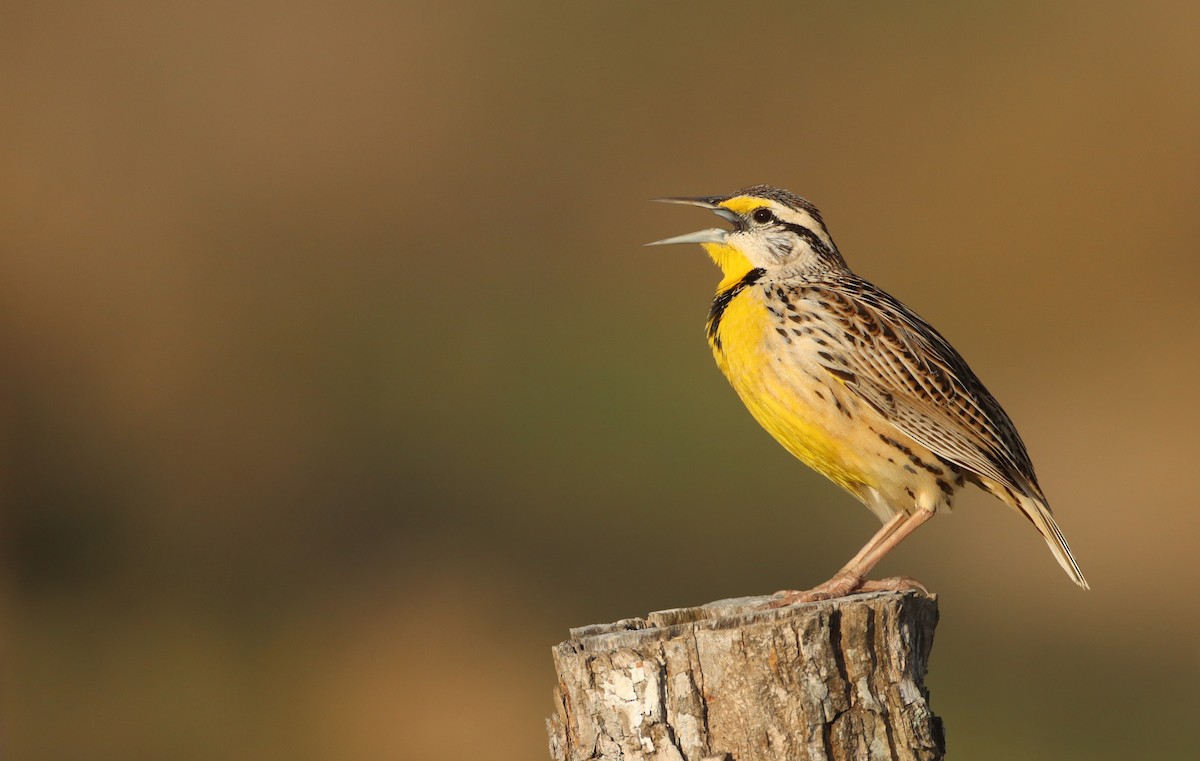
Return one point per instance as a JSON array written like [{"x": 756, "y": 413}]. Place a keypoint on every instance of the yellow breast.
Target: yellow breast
[{"x": 796, "y": 406}]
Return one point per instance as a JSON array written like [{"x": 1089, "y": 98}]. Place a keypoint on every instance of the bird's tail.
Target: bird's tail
[{"x": 1038, "y": 513}]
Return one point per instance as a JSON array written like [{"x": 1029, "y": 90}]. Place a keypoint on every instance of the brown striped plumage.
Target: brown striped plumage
[{"x": 912, "y": 376}]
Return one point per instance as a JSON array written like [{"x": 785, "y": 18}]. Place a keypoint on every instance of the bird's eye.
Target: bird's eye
[{"x": 762, "y": 216}]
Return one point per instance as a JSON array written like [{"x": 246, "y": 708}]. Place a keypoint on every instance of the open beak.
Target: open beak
[{"x": 712, "y": 235}]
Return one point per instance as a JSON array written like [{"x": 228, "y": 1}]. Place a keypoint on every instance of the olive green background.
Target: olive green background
[{"x": 337, "y": 384}]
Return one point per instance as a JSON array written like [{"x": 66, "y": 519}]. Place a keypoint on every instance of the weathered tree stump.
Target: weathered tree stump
[{"x": 840, "y": 679}]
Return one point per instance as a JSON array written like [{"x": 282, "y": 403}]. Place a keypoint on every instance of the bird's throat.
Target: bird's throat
[
  {"x": 722, "y": 301},
  {"x": 733, "y": 263}
]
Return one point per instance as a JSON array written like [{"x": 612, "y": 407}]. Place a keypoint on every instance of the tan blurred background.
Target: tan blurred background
[{"x": 337, "y": 384}]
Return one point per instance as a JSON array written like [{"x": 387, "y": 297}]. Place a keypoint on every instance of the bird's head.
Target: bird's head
[{"x": 773, "y": 230}]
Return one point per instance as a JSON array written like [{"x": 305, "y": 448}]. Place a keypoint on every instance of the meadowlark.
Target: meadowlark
[{"x": 853, "y": 383}]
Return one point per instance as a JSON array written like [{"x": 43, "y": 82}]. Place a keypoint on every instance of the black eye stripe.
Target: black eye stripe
[
  {"x": 762, "y": 215},
  {"x": 817, "y": 244}
]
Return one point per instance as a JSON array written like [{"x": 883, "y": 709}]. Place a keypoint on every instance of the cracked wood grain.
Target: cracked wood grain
[{"x": 834, "y": 680}]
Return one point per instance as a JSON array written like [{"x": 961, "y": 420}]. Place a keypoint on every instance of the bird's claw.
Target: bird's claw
[{"x": 841, "y": 586}]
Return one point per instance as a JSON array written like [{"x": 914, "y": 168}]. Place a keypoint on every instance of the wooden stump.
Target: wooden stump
[{"x": 840, "y": 679}]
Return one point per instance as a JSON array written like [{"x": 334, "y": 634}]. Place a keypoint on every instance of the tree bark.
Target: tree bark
[{"x": 839, "y": 679}]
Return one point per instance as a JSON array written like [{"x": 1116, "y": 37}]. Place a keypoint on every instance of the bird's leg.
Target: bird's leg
[
  {"x": 852, "y": 576},
  {"x": 885, "y": 531},
  {"x": 847, "y": 578}
]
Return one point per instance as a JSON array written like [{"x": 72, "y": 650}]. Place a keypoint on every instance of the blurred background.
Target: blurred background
[{"x": 337, "y": 384}]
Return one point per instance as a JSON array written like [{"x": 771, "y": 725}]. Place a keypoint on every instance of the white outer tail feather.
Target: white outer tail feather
[{"x": 1039, "y": 514}]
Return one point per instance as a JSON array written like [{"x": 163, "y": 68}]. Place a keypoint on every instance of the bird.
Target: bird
[{"x": 854, "y": 383}]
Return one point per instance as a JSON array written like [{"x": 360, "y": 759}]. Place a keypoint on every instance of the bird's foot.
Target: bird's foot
[
  {"x": 839, "y": 586},
  {"x": 893, "y": 584},
  {"x": 842, "y": 585}
]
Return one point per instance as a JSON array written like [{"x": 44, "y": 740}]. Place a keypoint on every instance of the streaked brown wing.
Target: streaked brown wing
[{"x": 907, "y": 371}]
